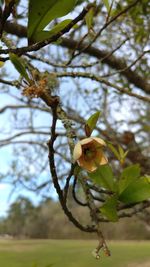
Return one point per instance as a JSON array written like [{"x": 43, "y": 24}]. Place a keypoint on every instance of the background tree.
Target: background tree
[
  {"x": 96, "y": 61},
  {"x": 47, "y": 220}
]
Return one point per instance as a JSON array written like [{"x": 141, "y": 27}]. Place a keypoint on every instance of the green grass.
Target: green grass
[{"x": 69, "y": 253}]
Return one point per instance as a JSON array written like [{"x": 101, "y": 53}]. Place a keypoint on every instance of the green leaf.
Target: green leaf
[
  {"x": 114, "y": 150},
  {"x": 91, "y": 123},
  {"x": 109, "y": 209},
  {"x": 19, "y": 65},
  {"x": 128, "y": 176},
  {"x": 126, "y": 153},
  {"x": 121, "y": 151},
  {"x": 136, "y": 192},
  {"x": 147, "y": 177},
  {"x": 89, "y": 18},
  {"x": 107, "y": 5},
  {"x": 41, "y": 13},
  {"x": 42, "y": 35},
  {"x": 103, "y": 176}
]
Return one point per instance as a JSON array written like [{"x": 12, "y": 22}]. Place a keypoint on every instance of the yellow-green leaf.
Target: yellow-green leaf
[
  {"x": 114, "y": 150},
  {"x": 121, "y": 151},
  {"x": 128, "y": 176},
  {"x": 42, "y": 35},
  {"x": 136, "y": 192},
  {"x": 89, "y": 18},
  {"x": 91, "y": 123},
  {"x": 107, "y": 4},
  {"x": 103, "y": 176},
  {"x": 19, "y": 65},
  {"x": 41, "y": 13}
]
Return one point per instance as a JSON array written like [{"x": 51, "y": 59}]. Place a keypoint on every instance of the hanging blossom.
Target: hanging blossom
[{"x": 88, "y": 153}]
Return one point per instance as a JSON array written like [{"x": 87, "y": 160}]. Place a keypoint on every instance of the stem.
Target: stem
[{"x": 95, "y": 218}]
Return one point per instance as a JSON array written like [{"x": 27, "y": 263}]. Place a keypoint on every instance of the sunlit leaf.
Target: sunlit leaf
[
  {"x": 114, "y": 150},
  {"x": 41, "y": 13},
  {"x": 147, "y": 177},
  {"x": 126, "y": 153},
  {"x": 107, "y": 5},
  {"x": 109, "y": 209},
  {"x": 136, "y": 192},
  {"x": 89, "y": 18},
  {"x": 128, "y": 176},
  {"x": 103, "y": 176},
  {"x": 42, "y": 35},
  {"x": 121, "y": 151}
]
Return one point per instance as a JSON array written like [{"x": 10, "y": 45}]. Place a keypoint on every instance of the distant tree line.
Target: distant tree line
[{"x": 47, "y": 220}]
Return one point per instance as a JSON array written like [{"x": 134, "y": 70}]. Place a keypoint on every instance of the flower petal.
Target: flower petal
[
  {"x": 87, "y": 165},
  {"x": 86, "y": 141},
  {"x": 77, "y": 152},
  {"x": 101, "y": 159},
  {"x": 104, "y": 160},
  {"x": 99, "y": 141}
]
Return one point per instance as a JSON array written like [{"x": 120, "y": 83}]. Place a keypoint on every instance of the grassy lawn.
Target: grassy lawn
[{"x": 70, "y": 253}]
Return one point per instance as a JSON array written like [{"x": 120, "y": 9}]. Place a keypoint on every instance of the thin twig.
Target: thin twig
[
  {"x": 102, "y": 80},
  {"x": 129, "y": 66},
  {"x": 95, "y": 218},
  {"x": 66, "y": 187},
  {"x": 74, "y": 193},
  {"x": 106, "y": 25},
  {"x": 59, "y": 191}
]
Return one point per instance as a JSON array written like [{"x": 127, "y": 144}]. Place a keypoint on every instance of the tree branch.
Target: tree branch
[
  {"x": 54, "y": 38},
  {"x": 112, "y": 61},
  {"x": 53, "y": 102},
  {"x": 5, "y": 14},
  {"x": 102, "y": 80}
]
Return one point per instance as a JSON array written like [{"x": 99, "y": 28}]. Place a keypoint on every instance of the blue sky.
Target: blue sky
[
  {"x": 7, "y": 197},
  {"x": 5, "y": 190},
  {"x": 7, "y": 194}
]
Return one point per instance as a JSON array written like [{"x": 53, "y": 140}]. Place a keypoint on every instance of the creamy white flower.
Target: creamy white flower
[{"x": 89, "y": 153}]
